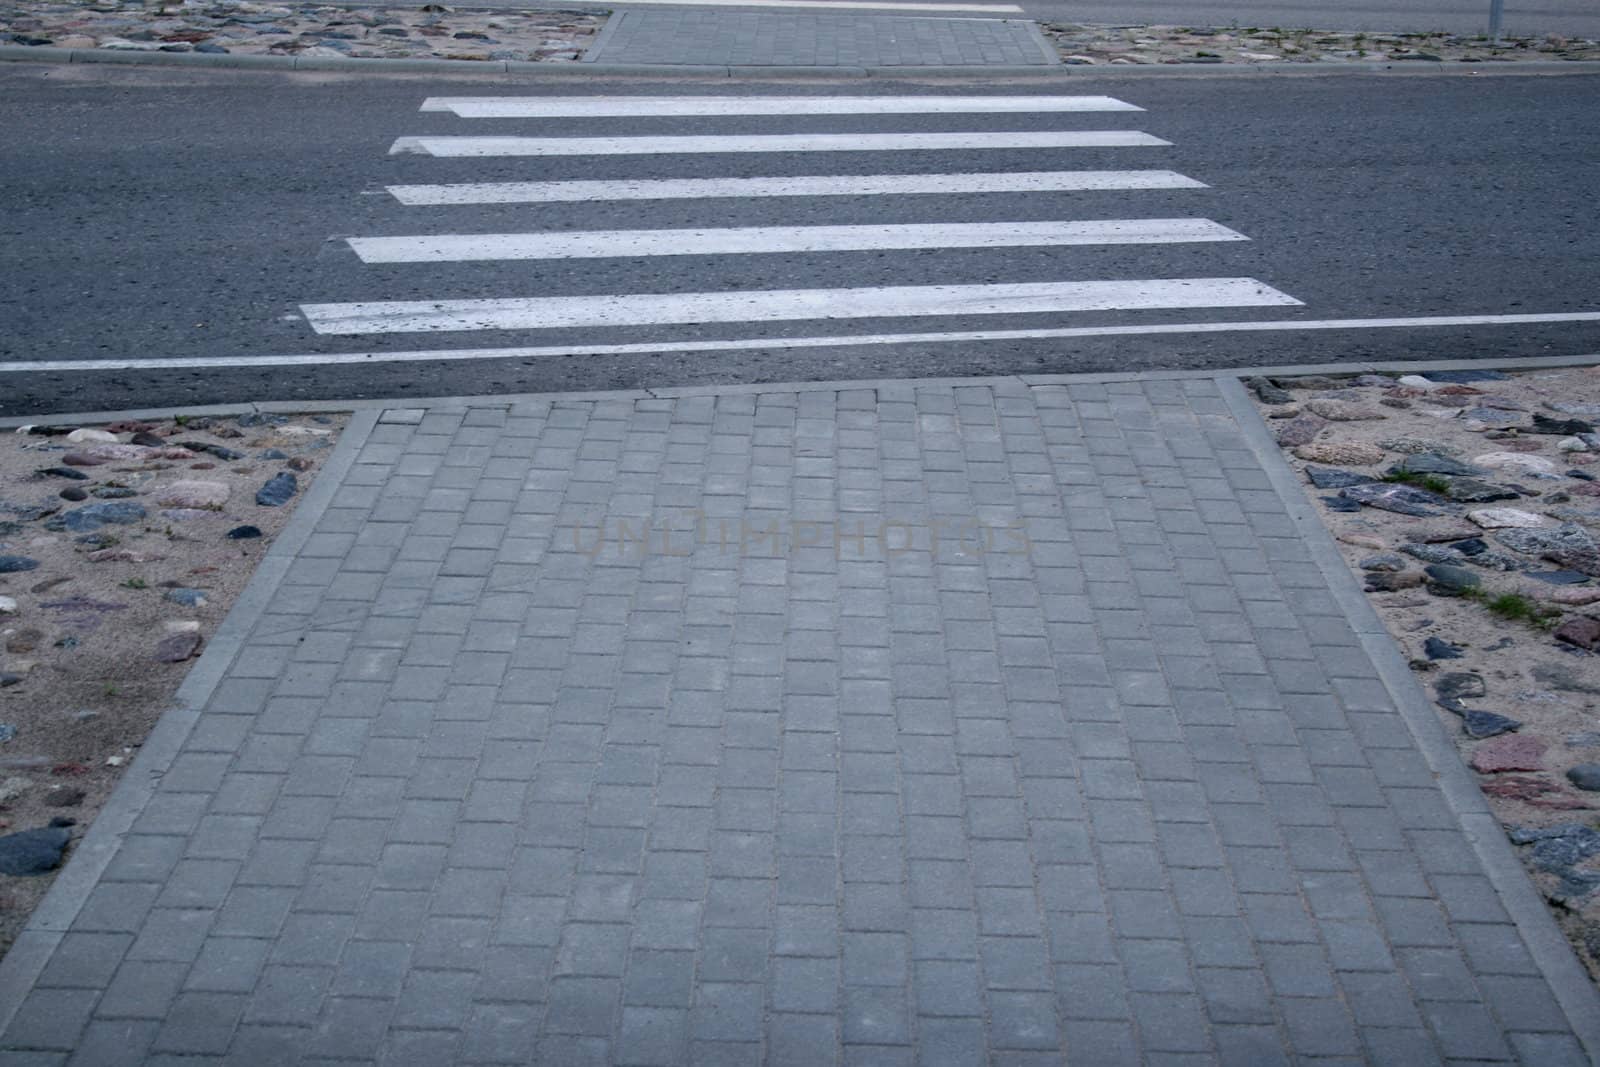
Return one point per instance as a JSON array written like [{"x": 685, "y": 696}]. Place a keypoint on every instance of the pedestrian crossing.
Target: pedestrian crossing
[{"x": 1068, "y": 294}]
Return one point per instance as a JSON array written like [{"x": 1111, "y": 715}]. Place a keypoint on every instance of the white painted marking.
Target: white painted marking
[
  {"x": 597, "y": 244},
  {"x": 771, "y": 305},
  {"x": 549, "y": 107},
  {"x": 1045, "y": 181},
  {"x": 462, "y": 355},
  {"x": 783, "y": 142},
  {"x": 843, "y": 5}
]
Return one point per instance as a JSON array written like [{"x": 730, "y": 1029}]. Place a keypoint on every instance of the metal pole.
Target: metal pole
[{"x": 1497, "y": 10}]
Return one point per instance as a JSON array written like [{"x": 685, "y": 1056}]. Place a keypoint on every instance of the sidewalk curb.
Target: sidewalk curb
[
  {"x": 1574, "y": 991},
  {"x": 585, "y": 67},
  {"x": 298, "y": 407},
  {"x": 50, "y": 922}
]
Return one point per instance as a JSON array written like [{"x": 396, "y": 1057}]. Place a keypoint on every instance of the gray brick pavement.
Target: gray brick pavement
[
  {"x": 711, "y": 37},
  {"x": 897, "y": 725}
]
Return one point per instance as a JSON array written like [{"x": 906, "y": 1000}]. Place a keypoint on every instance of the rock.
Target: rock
[
  {"x": 1388, "y": 561},
  {"x": 175, "y": 648},
  {"x": 1340, "y": 452},
  {"x": 1572, "y": 444},
  {"x": 1558, "y": 577},
  {"x": 122, "y": 555},
  {"x": 1361, "y": 540},
  {"x": 1560, "y": 676},
  {"x": 1392, "y": 582},
  {"x": 273, "y": 453},
  {"x": 1432, "y": 553},
  {"x": 74, "y": 494},
  {"x": 1471, "y": 546},
  {"x": 80, "y": 436},
  {"x": 194, "y": 494},
  {"x": 300, "y": 463},
  {"x": 149, "y": 440},
  {"x": 1414, "y": 446},
  {"x": 1334, "y": 478},
  {"x": 93, "y": 516},
  {"x": 1445, "y": 579},
  {"x": 1516, "y": 463},
  {"x": 1580, "y": 631},
  {"x": 32, "y": 851},
  {"x": 1437, "y": 648},
  {"x": 1511, "y": 752},
  {"x": 24, "y": 641},
  {"x": 1477, "y": 491},
  {"x": 244, "y": 533},
  {"x": 1339, "y": 503},
  {"x": 222, "y": 452},
  {"x": 278, "y": 491},
  {"x": 1572, "y": 597},
  {"x": 1457, "y": 686},
  {"x": 8, "y": 606},
  {"x": 1300, "y": 430},
  {"x": 1528, "y": 790},
  {"x": 1491, "y": 417},
  {"x": 12, "y": 788},
  {"x": 183, "y": 626},
  {"x": 1568, "y": 545},
  {"x": 1481, "y": 724},
  {"x": 1585, "y": 776},
  {"x": 113, "y": 492},
  {"x": 64, "y": 797},
  {"x": 1399, "y": 498},
  {"x": 1543, "y": 424},
  {"x": 16, "y": 564},
  {"x": 1342, "y": 410},
  {"x": 189, "y": 598},
  {"x": 188, "y": 514},
  {"x": 1268, "y": 393},
  {"x": 1500, "y": 518},
  {"x": 61, "y": 472},
  {"x": 1433, "y": 463}
]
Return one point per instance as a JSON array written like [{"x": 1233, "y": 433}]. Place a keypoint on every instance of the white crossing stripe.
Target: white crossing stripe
[
  {"x": 648, "y": 348},
  {"x": 548, "y": 107},
  {"x": 635, "y": 309},
  {"x": 795, "y": 142},
  {"x": 843, "y": 5},
  {"x": 1042, "y": 181},
  {"x": 596, "y": 244}
]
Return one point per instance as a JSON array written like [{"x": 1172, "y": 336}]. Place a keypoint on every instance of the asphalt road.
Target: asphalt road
[{"x": 164, "y": 213}]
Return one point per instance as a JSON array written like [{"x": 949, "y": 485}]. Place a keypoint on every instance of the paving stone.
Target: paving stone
[{"x": 1135, "y": 793}]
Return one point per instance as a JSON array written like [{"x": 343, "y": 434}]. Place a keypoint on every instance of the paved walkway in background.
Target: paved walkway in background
[
  {"x": 927, "y": 724},
  {"x": 715, "y": 37}
]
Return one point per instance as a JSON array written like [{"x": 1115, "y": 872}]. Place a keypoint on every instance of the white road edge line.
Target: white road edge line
[
  {"x": 756, "y": 240},
  {"x": 774, "y": 305},
  {"x": 454, "y": 146},
  {"x": 1038, "y": 181},
  {"x": 535, "y": 107},
  {"x": 843, "y": 5},
  {"x": 454, "y": 355}
]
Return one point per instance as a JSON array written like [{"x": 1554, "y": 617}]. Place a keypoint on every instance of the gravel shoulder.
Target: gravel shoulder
[
  {"x": 121, "y": 551},
  {"x": 1088, "y": 45},
  {"x": 426, "y": 31},
  {"x": 1469, "y": 505}
]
